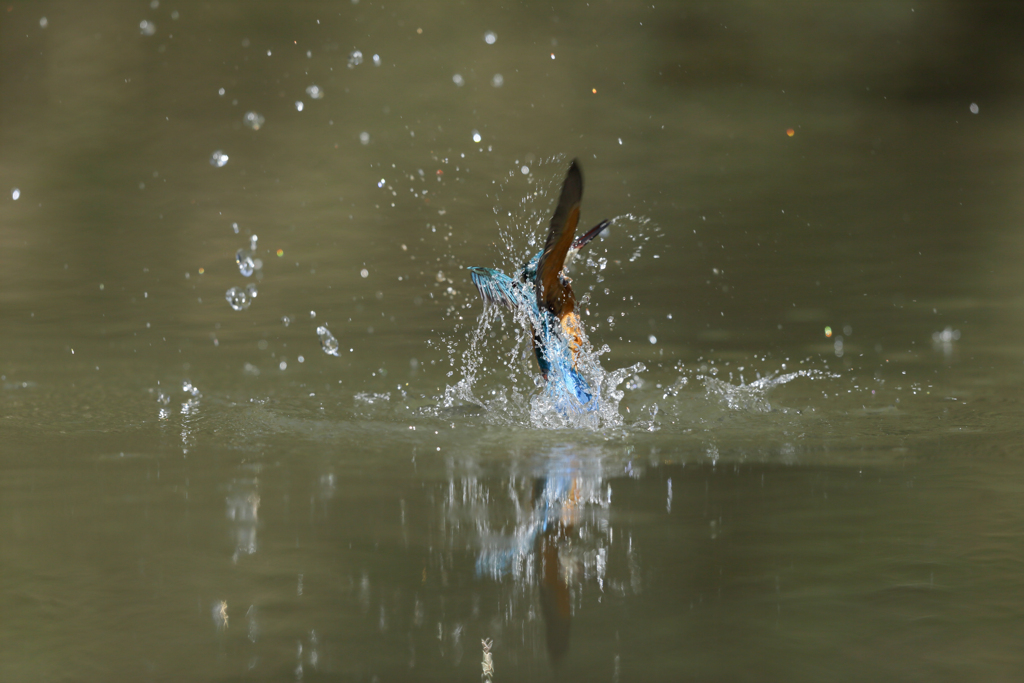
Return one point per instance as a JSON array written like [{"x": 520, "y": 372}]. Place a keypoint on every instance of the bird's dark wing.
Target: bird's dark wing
[{"x": 552, "y": 294}]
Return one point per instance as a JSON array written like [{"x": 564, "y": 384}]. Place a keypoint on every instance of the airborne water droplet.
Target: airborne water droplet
[
  {"x": 253, "y": 120},
  {"x": 218, "y": 158},
  {"x": 238, "y": 298},
  {"x": 327, "y": 341},
  {"x": 245, "y": 263}
]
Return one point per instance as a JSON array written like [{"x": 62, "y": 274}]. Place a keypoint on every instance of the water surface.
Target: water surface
[{"x": 810, "y": 463}]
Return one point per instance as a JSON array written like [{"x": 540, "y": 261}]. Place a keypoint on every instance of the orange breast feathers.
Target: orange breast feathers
[{"x": 572, "y": 328}]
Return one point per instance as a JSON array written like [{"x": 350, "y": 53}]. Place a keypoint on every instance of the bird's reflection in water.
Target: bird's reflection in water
[
  {"x": 555, "y": 601},
  {"x": 559, "y": 541}
]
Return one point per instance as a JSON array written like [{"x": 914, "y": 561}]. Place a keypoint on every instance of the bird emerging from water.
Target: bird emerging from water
[{"x": 542, "y": 291}]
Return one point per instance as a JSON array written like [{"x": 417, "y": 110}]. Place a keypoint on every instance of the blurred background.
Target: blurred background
[{"x": 810, "y": 294}]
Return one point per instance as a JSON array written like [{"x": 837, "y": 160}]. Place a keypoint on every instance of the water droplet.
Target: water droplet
[
  {"x": 312, "y": 314},
  {"x": 315, "y": 92},
  {"x": 327, "y": 341},
  {"x": 376, "y": 60},
  {"x": 245, "y": 263},
  {"x": 525, "y": 169},
  {"x": 286, "y": 321},
  {"x": 490, "y": 37},
  {"x": 218, "y": 158},
  {"x": 147, "y": 28},
  {"x": 381, "y": 183},
  {"x": 238, "y": 298},
  {"x": 234, "y": 226},
  {"x": 221, "y": 92},
  {"x": 299, "y": 106},
  {"x": 458, "y": 80},
  {"x": 15, "y": 194},
  {"x": 43, "y": 23},
  {"x": 498, "y": 80},
  {"x": 652, "y": 339},
  {"x": 355, "y": 59},
  {"x": 283, "y": 365},
  {"x": 974, "y": 108},
  {"x": 364, "y": 138},
  {"x": 253, "y": 120},
  {"x": 252, "y": 291},
  {"x": 476, "y": 136},
  {"x": 364, "y": 273}
]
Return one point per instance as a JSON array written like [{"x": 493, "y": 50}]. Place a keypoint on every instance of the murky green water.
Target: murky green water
[{"x": 817, "y": 475}]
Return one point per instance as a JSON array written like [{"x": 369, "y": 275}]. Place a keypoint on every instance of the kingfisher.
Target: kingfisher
[{"x": 542, "y": 291}]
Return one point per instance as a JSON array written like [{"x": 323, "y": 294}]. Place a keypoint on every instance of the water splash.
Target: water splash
[
  {"x": 372, "y": 398},
  {"x": 753, "y": 397},
  {"x": 497, "y": 372}
]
